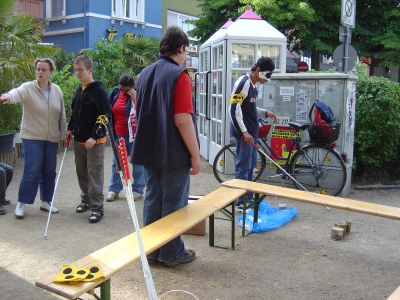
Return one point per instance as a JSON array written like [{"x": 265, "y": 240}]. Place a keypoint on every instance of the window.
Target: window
[
  {"x": 178, "y": 19},
  {"x": 128, "y": 9},
  {"x": 55, "y": 8}
]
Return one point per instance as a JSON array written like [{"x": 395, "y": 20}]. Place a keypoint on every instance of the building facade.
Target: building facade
[
  {"x": 175, "y": 13},
  {"x": 74, "y": 25}
]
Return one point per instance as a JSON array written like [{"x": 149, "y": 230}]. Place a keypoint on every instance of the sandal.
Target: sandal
[
  {"x": 82, "y": 208},
  {"x": 95, "y": 217}
]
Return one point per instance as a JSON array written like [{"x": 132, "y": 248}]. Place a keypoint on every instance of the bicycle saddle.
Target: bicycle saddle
[{"x": 299, "y": 126}]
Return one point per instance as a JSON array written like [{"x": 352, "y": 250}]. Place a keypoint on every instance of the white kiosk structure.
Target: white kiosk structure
[{"x": 224, "y": 57}]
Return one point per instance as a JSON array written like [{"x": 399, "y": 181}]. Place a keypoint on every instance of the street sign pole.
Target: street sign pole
[
  {"x": 346, "y": 49},
  {"x": 348, "y": 19}
]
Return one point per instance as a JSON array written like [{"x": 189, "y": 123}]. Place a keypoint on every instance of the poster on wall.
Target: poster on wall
[
  {"x": 301, "y": 105},
  {"x": 281, "y": 139},
  {"x": 351, "y": 105}
]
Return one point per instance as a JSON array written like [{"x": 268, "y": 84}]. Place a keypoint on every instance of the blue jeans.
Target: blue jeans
[
  {"x": 40, "y": 162},
  {"x": 246, "y": 160},
  {"x": 167, "y": 191},
  {"x": 138, "y": 181}
]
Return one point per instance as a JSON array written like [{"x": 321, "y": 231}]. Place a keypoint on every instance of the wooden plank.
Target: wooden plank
[
  {"x": 395, "y": 295},
  {"x": 117, "y": 256},
  {"x": 314, "y": 198}
]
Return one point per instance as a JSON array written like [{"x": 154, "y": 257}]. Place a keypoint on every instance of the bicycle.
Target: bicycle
[{"x": 316, "y": 167}]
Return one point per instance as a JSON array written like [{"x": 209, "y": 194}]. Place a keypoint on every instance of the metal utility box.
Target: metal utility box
[{"x": 290, "y": 96}]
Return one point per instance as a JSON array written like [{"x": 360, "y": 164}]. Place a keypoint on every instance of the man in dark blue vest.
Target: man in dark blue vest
[
  {"x": 166, "y": 142},
  {"x": 245, "y": 114}
]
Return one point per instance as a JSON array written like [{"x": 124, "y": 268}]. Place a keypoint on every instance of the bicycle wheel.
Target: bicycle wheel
[
  {"x": 319, "y": 169},
  {"x": 225, "y": 162}
]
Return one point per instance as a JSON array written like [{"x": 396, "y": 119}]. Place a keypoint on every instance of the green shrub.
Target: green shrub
[
  {"x": 377, "y": 131},
  {"x": 126, "y": 55},
  {"x": 10, "y": 117},
  {"x": 108, "y": 63},
  {"x": 68, "y": 84}
]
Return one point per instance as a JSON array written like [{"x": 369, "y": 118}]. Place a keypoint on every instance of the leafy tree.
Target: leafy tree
[
  {"x": 20, "y": 37},
  {"x": 214, "y": 14},
  {"x": 378, "y": 30},
  {"x": 314, "y": 24}
]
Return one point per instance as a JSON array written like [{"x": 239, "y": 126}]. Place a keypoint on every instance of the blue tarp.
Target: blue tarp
[{"x": 269, "y": 218}]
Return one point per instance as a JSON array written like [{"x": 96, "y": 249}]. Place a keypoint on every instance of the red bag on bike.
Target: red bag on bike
[
  {"x": 322, "y": 132},
  {"x": 263, "y": 131}
]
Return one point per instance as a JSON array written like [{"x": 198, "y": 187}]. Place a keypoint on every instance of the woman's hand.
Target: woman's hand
[
  {"x": 5, "y": 98},
  {"x": 131, "y": 93}
]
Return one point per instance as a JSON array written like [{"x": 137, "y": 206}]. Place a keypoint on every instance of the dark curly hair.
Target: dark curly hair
[
  {"x": 126, "y": 80},
  {"x": 172, "y": 38}
]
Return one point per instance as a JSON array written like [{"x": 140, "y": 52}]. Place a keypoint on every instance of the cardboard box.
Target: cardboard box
[{"x": 200, "y": 228}]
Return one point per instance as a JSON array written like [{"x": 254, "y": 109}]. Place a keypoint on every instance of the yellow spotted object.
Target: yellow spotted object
[
  {"x": 72, "y": 274},
  {"x": 237, "y": 98}
]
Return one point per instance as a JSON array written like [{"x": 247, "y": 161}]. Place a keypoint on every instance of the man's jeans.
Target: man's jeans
[
  {"x": 6, "y": 174},
  {"x": 40, "y": 162},
  {"x": 167, "y": 191},
  {"x": 246, "y": 160},
  {"x": 138, "y": 182}
]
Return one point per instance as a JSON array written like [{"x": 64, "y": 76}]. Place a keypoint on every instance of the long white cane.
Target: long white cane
[
  {"x": 278, "y": 166},
  {"x": 121, "y": 158},
  {"x": 128, "y": 191},
  {"x": 55, "y": 188}
]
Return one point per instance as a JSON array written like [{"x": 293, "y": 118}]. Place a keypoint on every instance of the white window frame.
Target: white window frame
[
  {"x": 49, "y": 7},
  {"x": 136, "y": 10},
  {"x": 183, "y": 17}
]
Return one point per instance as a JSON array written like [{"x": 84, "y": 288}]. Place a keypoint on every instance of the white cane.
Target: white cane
[{"x": 55, "y": 188}]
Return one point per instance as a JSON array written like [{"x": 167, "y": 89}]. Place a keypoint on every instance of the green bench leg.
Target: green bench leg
[
  {"x": 105, "y": 290},
  {"x": 230, "y": 217},
  {"x": 255, "y": 205}
]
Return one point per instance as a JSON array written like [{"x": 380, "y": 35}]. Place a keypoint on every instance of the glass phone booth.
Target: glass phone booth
[{"x": 230, "y": 53}]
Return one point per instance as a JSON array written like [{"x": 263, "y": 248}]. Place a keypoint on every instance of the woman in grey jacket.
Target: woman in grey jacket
[{"x": 43, "y": 126}]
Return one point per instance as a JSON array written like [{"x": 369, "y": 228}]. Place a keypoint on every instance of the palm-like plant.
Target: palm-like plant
[
  {"x": 139, "y": 52},
  {"x": 20, "y": 37},
  {"x": 126, "y": 55}
]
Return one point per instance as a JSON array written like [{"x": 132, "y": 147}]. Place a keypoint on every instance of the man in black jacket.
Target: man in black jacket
[
  {"x": 165, "y": 142},
  {"x": 90, "y": 101}
]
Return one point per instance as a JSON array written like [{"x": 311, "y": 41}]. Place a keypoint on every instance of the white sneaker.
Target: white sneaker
[
  {"x": 239, "y": 209},
  {"x": 136, "y": 195},
  {"x": 46, "y": 206},
  {"x": 19, "y": 210},
  {"x": 111, "y": 196}
]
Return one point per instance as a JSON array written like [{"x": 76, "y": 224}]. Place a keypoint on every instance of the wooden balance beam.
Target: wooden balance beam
[
  {"x": 314, "y": 198},
  {"x": 119, "y": 255}
]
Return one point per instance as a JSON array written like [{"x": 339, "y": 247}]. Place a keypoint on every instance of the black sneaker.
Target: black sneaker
[
  {"x": 186, "y": 258},
  {"x": 152, "y": 260}
]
